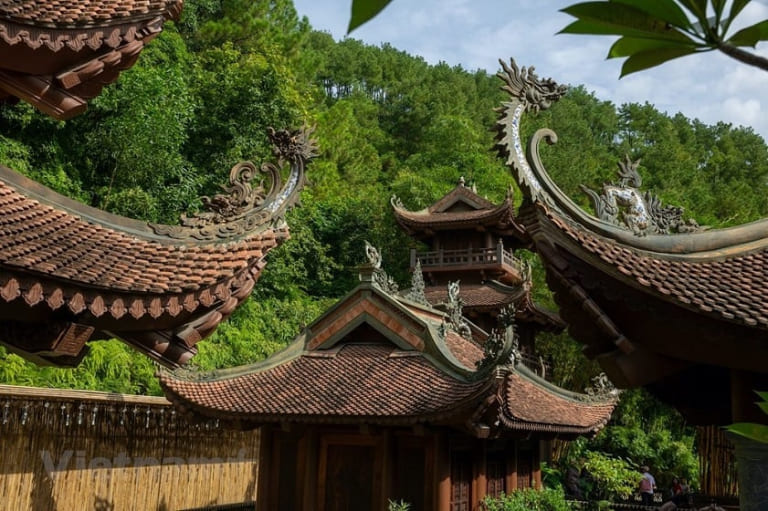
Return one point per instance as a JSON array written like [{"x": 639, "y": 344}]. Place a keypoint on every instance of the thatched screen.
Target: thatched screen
[{"x": 75, "y": 450}]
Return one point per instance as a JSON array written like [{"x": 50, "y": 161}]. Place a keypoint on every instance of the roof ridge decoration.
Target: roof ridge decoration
[
  {"x": 528, "y": 93},
  {"x": 247, "y": 206},
  {"x": 380, "y": 277},
  {"x": 455, "y": 306},
  {"x": 416, "y": 293},
  {"x": 621, "y": 203},
  {"x": 602, "y": 389},
  {"x": 502, "y": 342}
]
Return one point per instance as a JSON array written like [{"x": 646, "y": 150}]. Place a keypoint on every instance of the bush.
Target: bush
[
  {"x": 529, "y": 500},
  {"x": 611, "y": 478}
]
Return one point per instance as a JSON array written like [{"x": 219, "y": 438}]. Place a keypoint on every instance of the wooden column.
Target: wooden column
[
  {"x": 386, "y": 455},
  {"x": 479, "y": 479},
  {"x": 511, "y": 482},
  {"x": 536, "y": 462},
  {"x": 308, "y": 463},
  {"x": 265, "y": 467},
  {"x": 442, "y": 484}
]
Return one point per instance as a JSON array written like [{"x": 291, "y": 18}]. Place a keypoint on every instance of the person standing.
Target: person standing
[{"x": 647, "y": 486}]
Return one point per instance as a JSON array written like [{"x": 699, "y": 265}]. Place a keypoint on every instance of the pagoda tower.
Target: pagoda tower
[{"x": 472, "y": 240}]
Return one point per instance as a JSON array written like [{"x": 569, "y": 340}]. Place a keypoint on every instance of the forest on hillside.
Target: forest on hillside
[{"x": 200, "y": 99}]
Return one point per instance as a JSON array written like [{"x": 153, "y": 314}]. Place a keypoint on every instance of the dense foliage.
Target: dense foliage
[
  {"x": 529, "y": 500},
  {"x": 199, "y": 100}
]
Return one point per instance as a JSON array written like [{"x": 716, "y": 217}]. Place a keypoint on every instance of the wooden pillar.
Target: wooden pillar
[
  {"x": 386, "y": 455},
  {"x": 265, "y": 468},
  {"x": 479, "y": 476},
  {"x": 536, "y": 462},
  {"x": 442, "y": 484},
  {"x": 511, "y": 482},
  {"x": 308, "y": 463}
]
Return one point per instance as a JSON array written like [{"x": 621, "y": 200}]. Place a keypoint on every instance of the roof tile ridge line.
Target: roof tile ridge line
[
  {"x": 293, "y": 351},
  {"x": 575, "y": 397},
  {"x": 443, "y": 358},
  {"x": 506, "y": 288},
  {"x": 539, "y": 187},
  {"x": 25, "y": 392},
  {"x": 398, "y": 206}
]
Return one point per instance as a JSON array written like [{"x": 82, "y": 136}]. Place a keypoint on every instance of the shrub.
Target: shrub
[
  {"x": 529, "y": 500},
  {"x": 612, "y": 478}
]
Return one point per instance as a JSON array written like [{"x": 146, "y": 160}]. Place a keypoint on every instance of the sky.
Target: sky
[{"x": 477, "y": 33}]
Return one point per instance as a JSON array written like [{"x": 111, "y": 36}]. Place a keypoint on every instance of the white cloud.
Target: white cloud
[{"x": 476, "y": 33}]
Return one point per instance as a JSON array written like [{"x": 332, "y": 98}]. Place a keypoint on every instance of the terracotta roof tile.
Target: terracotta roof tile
[
  {"x": 530, "y": 406},
  {"x": 73, "y": 13},
  {"x": 38, "y": 239},
  {"x": 729, "y": 287},
  {"x": 359, "y": 381},
  {"x": 466, "y": 351},
  {"x": 474, "y": 295}
]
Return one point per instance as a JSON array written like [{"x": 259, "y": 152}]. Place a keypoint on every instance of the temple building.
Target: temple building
[
  {"x": 472, "y": 240},
  {"x": 384, "y": 397},
  {"x": 69, "y": 273},
  {"x": 656, "y": 300}
]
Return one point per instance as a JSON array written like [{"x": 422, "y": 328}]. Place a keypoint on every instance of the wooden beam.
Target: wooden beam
[{"x": 43, "y": 95}]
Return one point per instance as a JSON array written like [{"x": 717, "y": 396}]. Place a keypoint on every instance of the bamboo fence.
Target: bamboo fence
[
  {"x": 64, "y": 450},
  {"x": 717, "y": 465}
]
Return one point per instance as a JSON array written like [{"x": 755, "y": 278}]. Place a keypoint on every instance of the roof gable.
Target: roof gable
[
  {"x": 461, "y": 199},
  {"x": 369, "y": 311}
]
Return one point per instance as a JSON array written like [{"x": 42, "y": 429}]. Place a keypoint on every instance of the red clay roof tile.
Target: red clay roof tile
[
  {"x": 530, "y": 406},
  {"x": 357, "y": 381},
  {"x": 731, "y": 287}
]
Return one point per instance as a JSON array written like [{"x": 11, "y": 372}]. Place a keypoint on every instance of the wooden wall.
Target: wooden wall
[{"x": 67, "y": 450}]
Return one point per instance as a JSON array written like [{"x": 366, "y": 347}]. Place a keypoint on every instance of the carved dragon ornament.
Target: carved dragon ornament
[
  {"x": 255, "y": 198},
  {"x": 620, "y": 207},
  {"x": 622, "y": 204}
]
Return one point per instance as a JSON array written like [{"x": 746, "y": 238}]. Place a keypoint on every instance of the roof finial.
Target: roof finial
[
  {"x": 455, "y": 311},
  {"x": 416, "y": 293},
  {"x": 374, "y": 271},
  {"x": 461, "y": 181}
]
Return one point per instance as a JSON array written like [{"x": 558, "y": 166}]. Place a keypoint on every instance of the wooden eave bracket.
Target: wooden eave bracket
[{"x": 43, "y": 95}]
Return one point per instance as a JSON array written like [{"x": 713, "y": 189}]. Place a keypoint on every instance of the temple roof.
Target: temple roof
[
  {"x": 160, "y": 288},
  {"x": 377, "y": 358},
  {"x": 377, "y": 382},
  {"x": 657, "y": 299},
  {"x": 461, "y": 208},
  {"x": 58, "y": 54},
  {"x": 728, "y": 285},
  {"x": 532, "y": 404}
]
